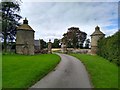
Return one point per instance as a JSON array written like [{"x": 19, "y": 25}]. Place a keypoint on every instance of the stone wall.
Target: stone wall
[
  {"x": 94, "y": 42},
  {"x": 25, "y": 42},
  {"x": 81, "y": 51}
]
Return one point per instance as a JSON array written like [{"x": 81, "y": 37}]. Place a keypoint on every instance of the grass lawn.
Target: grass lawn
[
  {"x": 0, "y": 70},
  {"x": 21, "y": 71},
  {"x": 103, "y": 74}
]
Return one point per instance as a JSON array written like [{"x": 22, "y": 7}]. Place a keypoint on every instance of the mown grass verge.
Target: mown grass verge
[
  {"x": 21, "y": 71},
  {"x": 0, "y": 70},
  {"x": 103, "y": 73}
]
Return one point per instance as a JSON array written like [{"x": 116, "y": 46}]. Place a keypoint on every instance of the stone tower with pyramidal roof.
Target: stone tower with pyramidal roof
[
  {"x": 97, "y": 34},
  {"x": 25, "y": 39}
]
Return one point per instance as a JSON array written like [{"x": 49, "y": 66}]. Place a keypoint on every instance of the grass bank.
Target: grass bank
[
  {"x": 103, "y": 74},
  {"x": 0, "y": 70},
  {"x": 21, "y": 71}
]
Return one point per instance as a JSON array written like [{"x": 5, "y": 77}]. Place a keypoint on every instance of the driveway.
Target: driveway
[{"x": 69, "y": 73}]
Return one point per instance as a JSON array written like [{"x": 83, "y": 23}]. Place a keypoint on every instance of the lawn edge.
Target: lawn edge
[
  {"x": 46, "y": 73},
  {"x": 89, "y": 76}
]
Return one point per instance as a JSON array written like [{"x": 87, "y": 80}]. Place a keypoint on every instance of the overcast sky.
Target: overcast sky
[{"x": 51, "y": 20}]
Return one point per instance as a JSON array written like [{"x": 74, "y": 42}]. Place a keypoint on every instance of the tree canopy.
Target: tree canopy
[
  {"x": 56, "y": 43},
  {"x": 74, "y": 38},
  {"x": 109, "y": 48},
  {"x": 87, "y": 43},
  {"x": 10, "y": 17},
  {"x": 43, "y": 44}
]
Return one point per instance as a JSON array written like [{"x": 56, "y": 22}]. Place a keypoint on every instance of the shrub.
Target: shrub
[{"x": 109, "y": 48}]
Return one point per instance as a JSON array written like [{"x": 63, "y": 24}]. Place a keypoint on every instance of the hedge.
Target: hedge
[{"x": 109, "y": 48}]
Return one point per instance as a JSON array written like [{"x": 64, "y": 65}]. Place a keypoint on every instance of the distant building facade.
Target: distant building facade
[
  {"x": 37, "y": 44},
  {"x": 97, "y": 34},
  {"x": 25, "y": 39}
]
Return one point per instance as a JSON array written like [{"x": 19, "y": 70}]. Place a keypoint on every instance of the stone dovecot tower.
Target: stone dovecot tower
[
  {"x": 25, "y": 39},
  {"x": 97, "y": 34}
]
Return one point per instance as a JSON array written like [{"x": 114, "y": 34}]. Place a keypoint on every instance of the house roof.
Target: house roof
[
  {"x": 97, "y": 31},
  {"x": 24, "y": 26}
]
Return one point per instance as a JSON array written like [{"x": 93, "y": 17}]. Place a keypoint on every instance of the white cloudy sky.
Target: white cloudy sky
[{"x": 52, "y": 19}]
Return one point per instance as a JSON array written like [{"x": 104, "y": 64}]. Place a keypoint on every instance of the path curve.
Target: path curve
[{"x": 70, "y": 73}]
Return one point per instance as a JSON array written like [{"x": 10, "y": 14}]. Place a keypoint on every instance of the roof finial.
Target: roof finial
[
  {"x": 49, "y": 40},
  {"x": 25, "y": 18},
  {"x": 25, "y": 21},
  {"x": 97, "y": 28}
]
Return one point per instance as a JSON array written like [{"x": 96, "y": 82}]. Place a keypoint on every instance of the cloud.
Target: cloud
[
  {"x": 52, "y": 19},
  {"x": 71, "y": 1}
]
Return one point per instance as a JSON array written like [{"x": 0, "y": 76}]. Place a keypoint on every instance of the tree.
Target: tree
[
  {"x": 10, "y": 18},
  {"x": 43, "y": 44},
  {"x": 87, "y": 43},
  {"x": 74, "y": 38},
  {"x": 109, "y": 48},
  {"x": 56, "y": 43}
]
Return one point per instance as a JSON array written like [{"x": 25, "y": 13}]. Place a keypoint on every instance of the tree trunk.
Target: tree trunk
[
  {"x": 5, "y": 38},
  {"x": 5, "y": 32}
]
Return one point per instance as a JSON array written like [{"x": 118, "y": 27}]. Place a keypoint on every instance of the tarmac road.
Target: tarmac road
[{"x": 70, "y": 73}]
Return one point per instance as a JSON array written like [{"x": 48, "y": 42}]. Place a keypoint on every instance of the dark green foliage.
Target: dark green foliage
[
  {"x": 10, "y": 17},
  {"x": 69, "y": 45},
  {"x": 81, "y": 46},
  {"x": 56, "y": 43},
  {"x": 109, "y": 48},
  {"x": 43, "y": 44},
  {"x": 74, "y": 38},
  {"x": 87, "y": 43}
]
